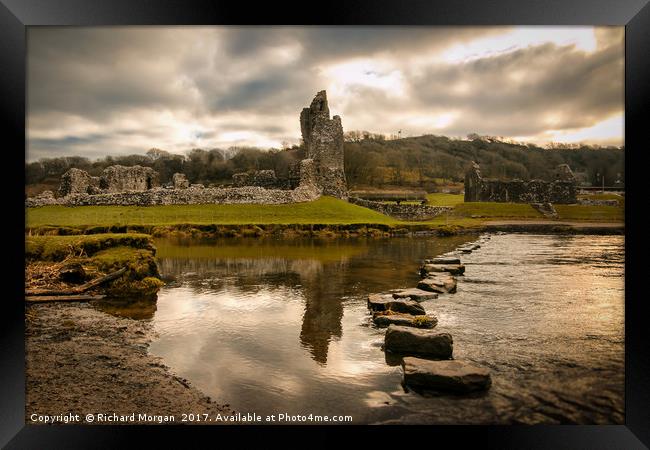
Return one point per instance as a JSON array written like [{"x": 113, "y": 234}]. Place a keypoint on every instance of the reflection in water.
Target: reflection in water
[
  {"x": 318, "y": 267},
  {"x": 283, "y": 326},
  {"x": 323, "y": 309},
  {"x": 138, "y": 309}
]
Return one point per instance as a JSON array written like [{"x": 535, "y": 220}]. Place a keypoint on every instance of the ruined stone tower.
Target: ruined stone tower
[{"x": 323, "y": 138}]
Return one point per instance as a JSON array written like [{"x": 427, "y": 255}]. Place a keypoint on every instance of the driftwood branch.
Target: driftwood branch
[
  {"x": 63, "y": 298},
  {"x": 78, "y": 289}
]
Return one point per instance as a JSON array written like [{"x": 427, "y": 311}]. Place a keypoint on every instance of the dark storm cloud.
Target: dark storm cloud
[
  {"x": 99, "y": 72},
  {"x": 334, "y": 43},
  {"x": 97, "y": 91}
]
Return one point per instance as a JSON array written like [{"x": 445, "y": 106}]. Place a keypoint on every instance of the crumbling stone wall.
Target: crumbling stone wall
[
  {"x": 293, "y": 178},
  {"x": 45, "y": 198},
  {"x": 563, "y": 190},
  {"x": 412, "y": 212},
  {"x": 599, "y": 202},
  {"x": 180, "y": 181},
  {"x": 77, "y": 181},
  {"x": 473, "y": 183},
  {"x": 323, "y": 140},
  {"x": 189, "y": 196},
  {"x": 564, "y": 173},
  {"x": 123, "y": 179},
  {"x": 261, "y": 178}
]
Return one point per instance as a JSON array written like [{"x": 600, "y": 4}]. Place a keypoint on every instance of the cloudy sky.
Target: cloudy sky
[{"x": 121, "y": 90}]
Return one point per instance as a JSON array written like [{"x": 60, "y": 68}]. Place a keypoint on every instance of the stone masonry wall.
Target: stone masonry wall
[
  {"x": 77, "y": 181},
  {"x": 191, "y": 195},
  {"x": 180, "y": 181},
  {"x": 403, "y": 211},
  {"x": 478, "y": 189},
  {"x": 323, "y": 139},
  {"x": 122, "y": 178},
  {"x": 261, "y": 178}
]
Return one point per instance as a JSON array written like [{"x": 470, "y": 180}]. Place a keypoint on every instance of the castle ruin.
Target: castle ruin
[
  {"x": 113, "y": 179},
  {"x": 320, "y": 173},
  {"x": 323, "y": 140}
]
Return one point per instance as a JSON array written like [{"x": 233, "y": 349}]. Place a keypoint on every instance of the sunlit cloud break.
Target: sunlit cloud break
[{"x": 112, "y": 91}]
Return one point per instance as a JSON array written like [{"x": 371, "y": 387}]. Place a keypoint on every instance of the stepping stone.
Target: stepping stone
[
  {"x": 415, "y": 294},
  {"x": 454, "y": 269},
  {"x": 407, "y": 320},
  {"x": 455, "y": 376},
  {"x": 440, "y": 283},
  {"x": 414, "y": 341},
  {"x": 468, "y": 248},
  {"x": 384, "y": 302},
  {"x": 443, "y": 260}
]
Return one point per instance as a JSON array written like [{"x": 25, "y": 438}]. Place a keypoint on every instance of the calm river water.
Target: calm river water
[{"x": 281, "y": 326}]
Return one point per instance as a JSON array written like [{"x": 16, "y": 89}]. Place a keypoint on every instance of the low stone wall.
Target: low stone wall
[
  {"x": 261, "y": 178},
  {"x": 593, "y": 202},
  {"x": 403, "y": 211},
  {"x": 189, "y": 196}
]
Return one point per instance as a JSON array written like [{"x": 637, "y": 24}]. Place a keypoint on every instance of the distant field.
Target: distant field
[
  {"x": 445, "y": 199},
  {"x": 591, "y": 213}
]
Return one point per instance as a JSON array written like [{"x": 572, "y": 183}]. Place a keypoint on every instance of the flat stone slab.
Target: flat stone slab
[
  {"x": 455, "y": 376},
  {"x": 414, "y": 341},
  {"x": 469, "y": 248},
  {"x": 443, "y": 260},
  {"x": 415, "y": 294},
  {"x": 441, "y": 283},
  {"x": 384, "y": 302},
  {"x": 407, "y": 320},
  {"x": 454, "y": 269}
]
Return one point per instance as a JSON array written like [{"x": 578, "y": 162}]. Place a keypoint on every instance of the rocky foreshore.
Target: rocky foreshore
[{"x": 84, "y": 361}]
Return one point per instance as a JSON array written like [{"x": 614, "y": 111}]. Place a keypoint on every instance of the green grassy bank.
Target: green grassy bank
[
  {"x": 325, "y": 210},
  {"x": 324, "y": 217}
]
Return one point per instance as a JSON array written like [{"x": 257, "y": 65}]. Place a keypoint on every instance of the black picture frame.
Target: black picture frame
[{"x": 16, "y": 15}]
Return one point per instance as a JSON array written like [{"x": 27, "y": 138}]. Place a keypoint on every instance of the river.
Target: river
[{"x": 281, "y": 326}]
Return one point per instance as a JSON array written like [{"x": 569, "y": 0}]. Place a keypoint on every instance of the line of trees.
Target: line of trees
[
  {"x": 425, "y": 161},
  {"x": 371, "y": 160}
]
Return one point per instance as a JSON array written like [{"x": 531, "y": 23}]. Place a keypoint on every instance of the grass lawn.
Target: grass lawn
[
  {"x": 445, "y": 199},
  {"x": 591, "y": 213},
  {"x": 325, "y": 210}
]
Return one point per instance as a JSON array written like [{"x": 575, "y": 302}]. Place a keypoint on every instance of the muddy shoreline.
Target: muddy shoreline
[
  {"x": 80, "y": 360},
  {"x": 555, "y": 227},
  {"x": 337, "y": 231}
]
